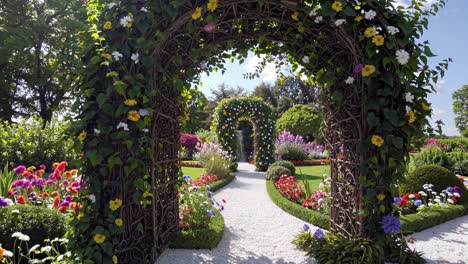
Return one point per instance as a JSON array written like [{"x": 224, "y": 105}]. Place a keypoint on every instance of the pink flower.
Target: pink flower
[
  {"x": 20, "y": 169},
  {"x": 210, "y": 27}
]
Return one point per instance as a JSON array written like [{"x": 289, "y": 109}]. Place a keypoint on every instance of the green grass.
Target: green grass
[
  {"x": 312, "y": 174},
  {"x": 193, "y": 172}
]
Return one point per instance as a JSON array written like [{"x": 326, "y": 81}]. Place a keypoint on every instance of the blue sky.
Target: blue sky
[{"x": 448, "y": 35}]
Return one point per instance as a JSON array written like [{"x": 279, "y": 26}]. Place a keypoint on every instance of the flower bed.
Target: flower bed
[
  {"x": 193, "y": 164},
  {"x": 310, "y": 162}
]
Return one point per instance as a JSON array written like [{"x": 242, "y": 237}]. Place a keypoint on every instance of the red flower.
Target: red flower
[
  {"x": 63, "y": 209},
  {"x": 20, "y": 199},
  {"x": 56, "y": 201},
  {"x": 403, "y": 202},
  {"x": 71, "y": 189},
  {"x": 61, "y": 167}
]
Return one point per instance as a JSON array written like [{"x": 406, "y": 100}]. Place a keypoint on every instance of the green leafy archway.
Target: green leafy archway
[
  {"x": 227, "y": 115},
  {"x": 142, "y": 54}
]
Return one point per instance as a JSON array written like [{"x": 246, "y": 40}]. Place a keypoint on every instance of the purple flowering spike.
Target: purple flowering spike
[
  {"x": 391, "y": 224},
  {"x": 318, "y": 234},
  {"x": 210, "y": 212},
  {"x": 306, "y": 227}
]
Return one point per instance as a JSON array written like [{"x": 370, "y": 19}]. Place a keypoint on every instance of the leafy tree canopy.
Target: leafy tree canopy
[{"x": 460, "y": 108}]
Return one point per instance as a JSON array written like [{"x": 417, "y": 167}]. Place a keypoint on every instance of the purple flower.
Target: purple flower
[
  {"x": 318, "y": 234},
  {"x": 391, "y": 224},
  {"x": 440, "y": 122},
  {"x": 208, "y": 193},
  {"x": 3, "y": 202},
  {"x": 42, "y": 167},
  {"x": 397, "y": 200},
  {"x": 306, "y": 227},
  {"x": 68, "y": 198},
  {"x": 65, "y": 182},
  {"x": 210, "y": 212},
  {"x": 65, "y": 203},
  {"x": 20, "y": 169},
  {"x": 458, "y": 190},
  {"x": 418, "y": 203},
  {"x": 32, "y": 195},
  {"x": 450, "y": 189},
  {"x": 358, "y": 68},
  {"x": 17, "y": 183}
]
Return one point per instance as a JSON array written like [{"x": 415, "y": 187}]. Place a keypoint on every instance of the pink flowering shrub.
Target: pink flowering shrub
[
  {"x": 316, "y": 200},
  {"x": 432, "y": 142},
  {"x": 189, "y": 142}
]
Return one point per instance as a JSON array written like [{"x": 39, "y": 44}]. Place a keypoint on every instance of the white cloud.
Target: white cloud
[
  {"x": 268, "y": 73},
  {"x": 439, "y": 86},
  {"x": 437, "y": 112},
  {"x": 406, "y": 3}
]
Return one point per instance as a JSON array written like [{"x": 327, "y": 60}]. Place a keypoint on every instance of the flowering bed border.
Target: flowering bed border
[
  {"x": 192, "y": 164},
  {"x": 310, "y": 162}
]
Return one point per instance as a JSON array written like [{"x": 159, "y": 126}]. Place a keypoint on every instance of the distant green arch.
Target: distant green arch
[{"x": 227, "y": 115}]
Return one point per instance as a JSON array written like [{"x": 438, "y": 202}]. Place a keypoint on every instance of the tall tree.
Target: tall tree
[
  {"x": 196, "y": 114},
  {"x": 460, "y": 108},
  {"x": 40, "y": 64}
]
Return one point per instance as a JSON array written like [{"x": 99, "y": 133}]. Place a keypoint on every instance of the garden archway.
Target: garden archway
[
  {"x": 227, "y": 115},
  {"x": 145, "y": 53}
]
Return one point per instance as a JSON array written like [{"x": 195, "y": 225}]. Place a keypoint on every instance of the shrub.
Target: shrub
[
  {"x": 28, "y": 143},
  {"x": 189, "y": 142},
  {"x": 38, "y": 223},
  {"x": 439, "y": 176},
  {"x": 287, "y": 164},
  {"x": 7, "y": 177},
  {"x": 461, "y": 167},
  {"x": 274, "y": 172},
  {"x": 301, "y": 120},
  {"x": 216, "y": 164},
  {"x": 207, "y": 136},
  {"x": 292, "y": 151},
  {"x": 454, "y": 143},
  {"x": 433, "y": 155}
]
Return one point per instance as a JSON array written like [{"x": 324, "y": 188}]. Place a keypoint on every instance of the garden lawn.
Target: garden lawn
[
  {"x": 312, "y": 174},
  {"x": 193, "y": 172}
]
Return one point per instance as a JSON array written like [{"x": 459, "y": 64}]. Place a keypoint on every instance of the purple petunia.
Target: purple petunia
[
  {"x": 306, "y": 227},
  {"x": 397, "y": 200},
  {"x": 19, "y": 169},
  {"x": 3, "y": 202},
  {"x": 318, "y": 234},
  {"x": 210, "y": 212},
  {"x": 391, "y": 224},
  {"x": 458, "y": 190},
  {"x": 418, "y": 203}
]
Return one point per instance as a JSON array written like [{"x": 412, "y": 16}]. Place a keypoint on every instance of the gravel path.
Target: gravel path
[{"x": 256, "y": 230}]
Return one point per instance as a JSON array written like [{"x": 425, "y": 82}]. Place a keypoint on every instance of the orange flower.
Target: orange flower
[
  {"x": 20, "y": 199},
  {"x": 55, "y": 165},
  {"x": 55, "y": 193},
  {"x": 45, "y": 194},
  {"x": 26, "y": 174},
  {"x": 71, "y": 189},
  {"x": 76, "y": 206},
  {"x": 68, "y": 174},
  {"x": 56, "y": 201},
  {"x": 74, "y": 171},
  {"x": 63, "y": 209}
]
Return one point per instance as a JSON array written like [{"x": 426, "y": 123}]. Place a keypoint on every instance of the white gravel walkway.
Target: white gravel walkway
[{"x": 257, "y": 231}]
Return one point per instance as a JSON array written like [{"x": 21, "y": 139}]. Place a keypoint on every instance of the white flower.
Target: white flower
[
  {"x": 340, "y": 22},
  {"x": 117, "y": 55},
  {"x": 349, "y": 80},
  {"x": 17, "y": 234},
  {"x": 10, "y": 202},
  {"x": 143, "y": 112},
  {"x": 456, "y": 194},
  {"x": 97, "y": 131},
  {"x": 370, "y": 14},
  {"x": 135, "y": 57},
  {"x": 402, "y": 56},
  {"x": 16, "y": 211},
  {"x": 8, "y": 254},
  {"x": 443, "y": 195},
  {"x": 124, "y": 21},
  {"x": 437, "y": 200},
  {"x": 145, "y": 130},
  {"x": 20, "y": 236},
  {"x": 408, "y": 109},
  {"x": 143, "y": 9},
  {"x": 409, "y": 98},
  {"x": 450, "y": 200},
  {"x": 313, "y": 12},
  {"x": 92, "y": 198},
  {"x": 430, "y": 204},
  {"x": 306, "y": 59},
  {"x": 32, "y": 249},
  {"x": 443, "y": 204},
  {"x": 449, "y": 194},
  {"x": 411, "y": 196},
  {"x": 122, "y": 125},
  {"x": 46, "y": 249},
  {"x": 111, "y": 5},
  {"x": 318, "y": 19},
  {"x": 422, "y": 193},
  {"x": 392, "y": 30}
]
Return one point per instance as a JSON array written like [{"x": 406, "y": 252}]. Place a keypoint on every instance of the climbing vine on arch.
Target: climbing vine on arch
[
  {"x": 141, "y": 55},
  {"x": 227, "y": 115}
]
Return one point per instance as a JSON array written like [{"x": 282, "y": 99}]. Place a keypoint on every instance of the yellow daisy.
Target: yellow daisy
[
  {"x": 337, "y": 6},
  {"x": 82, "y": 136},
  {"x": 368, "y": 70},
  {"x": 378, "y": 40},
  {"x": 133, "y": 115},
  {"x": 377, "y": 140},
  {"x": 197, "y": 13},
  {"x": 115, "y": 204},
  {"x": 99, "y": 238},
  {"x": 119, "y": 222},
  {"x": 212, "y": 5},
  {"x": 130, "y": 102},
  {"x": 107, "y": 25},
  {"x": 411, "y": 117},
  {"x": 370, "y": 32}
]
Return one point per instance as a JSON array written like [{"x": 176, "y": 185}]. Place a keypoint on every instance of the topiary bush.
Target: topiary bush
[
  {"x": 433, "y": 155},
  {"x": 292, "y": 151},
  {"x": 301, "y": 120},
  {"x": 439, "y": 176},
  {"x": 454, "y": 143},
  {"x": 461, "y": 167},
  {"x": 274, "y": 172},
  {"x": 37, "y": 222},
  {"x": 287, "y": 164}
]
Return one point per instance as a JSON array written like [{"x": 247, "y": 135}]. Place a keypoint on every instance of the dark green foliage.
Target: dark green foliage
[
  {"x": 289, "y": 165},
  {"x": 433, "y": 155},
  {"x": 292, "y": 151},
  {"x": 461, "y": 167},
  {"x": 301, "y": 120},
  {"x": 454, "y": 142},
  {"x": 221, "y": 183},
  {"x": 311, "y": 216},
  {"x": 460, "y": 108},
  {"x": 337, "y": 249},
  {"x": 38, "y": 223},
  {"x": 204, "y": 238},
  {"x": 439, "y": 176},
  {"x": 274, "y": 172},
  {"x": 27, "y": 143}
]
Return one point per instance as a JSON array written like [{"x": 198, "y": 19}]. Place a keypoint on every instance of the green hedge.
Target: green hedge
[
  {"x": 454, "y": 142},
  {"x": 221, "y": 183},
  {"x": 206, "y": 238},
  {"x": 308, "y": 215}
]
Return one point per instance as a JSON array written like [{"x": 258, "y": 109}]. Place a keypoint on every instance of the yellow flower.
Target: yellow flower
[
  {"x": 425, "y": 107},
  {"x": 295, "y": 16},
  {"x": 380, "y": 197},
  {"x": 99, "y": 238},
  {"x": 212, "y": 5},
  {"x": 130, "y": 102},
  {"x": 115, "y": 260},
  {"x": 147, "y": 194},
  {"x": 197, "y": 13},
  {"x": 358, "y": 18},
  {"x": 370, "y": 32},
  {"x": 107, "y": 25},
  {"x": 82, "y": 136},
  {"x": 115, "y": 204},
  {"x": 32, "y": 168},
  {"x": 81, "y": 214},
  {"x": 377, "y": 140},
  {"x": 119, "y": 222},
  {"x": 337, "y": 6},
  {"x": 133, "y": 115},
  {"x": 130, "y": 24},
  {"x": 106, "y": 56},
  {"x": 368, "y": 70},
  {"x": 411, "y": 117},
  {"x": 378, "y": 40}
]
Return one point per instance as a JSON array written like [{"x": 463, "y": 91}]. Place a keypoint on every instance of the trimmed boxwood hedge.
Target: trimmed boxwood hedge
[
  {"x": 409, "y": 223},
  {"x": 205, "y": 238}
]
